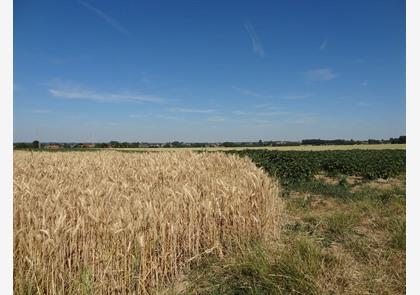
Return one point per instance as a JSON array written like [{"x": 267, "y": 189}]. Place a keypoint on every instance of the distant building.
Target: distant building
[
  {"x": 52, "y": 146},
  {"x": 88, "y": 145}
]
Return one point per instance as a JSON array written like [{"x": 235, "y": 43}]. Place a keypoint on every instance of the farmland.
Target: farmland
[
  {"x": 232, "y": 222},
  {"x": 278, "y": 148},
  {"x": 296, "y": 166},
  {"x": 120, "y": 223}
]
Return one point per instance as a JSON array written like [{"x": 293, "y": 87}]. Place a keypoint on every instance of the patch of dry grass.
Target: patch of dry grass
[
  {"x": 110, "y": 222},
  {"x": 365, "y": 234}
]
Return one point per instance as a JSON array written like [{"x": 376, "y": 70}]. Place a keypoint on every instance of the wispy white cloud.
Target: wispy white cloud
[
  {"x": 109, "y": 20},
  {"x": 78, "y": 92},
  {"x": 323, "y": 45},
  {"x": 256, "y": 42},
  {"x": 296, "y": 97},
  {"x": 188, "y": 110},
  {"x": 260, "y": 114},
  {"x": 149, "y": 116},
  {"x": 365, "y": 83},
  {"x": 252, "y": 93},
  {"x": 318, "y": 75},
  {"x": 275, "y": 113}
]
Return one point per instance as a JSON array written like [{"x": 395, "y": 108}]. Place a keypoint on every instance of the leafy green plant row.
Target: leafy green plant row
[{"x": 297, "y": 166}]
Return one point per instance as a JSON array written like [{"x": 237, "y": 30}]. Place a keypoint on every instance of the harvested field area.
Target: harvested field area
[{"x": 111, "y": 222}]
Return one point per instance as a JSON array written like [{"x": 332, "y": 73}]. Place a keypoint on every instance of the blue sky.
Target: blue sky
[{"x": 208, "y": 70}]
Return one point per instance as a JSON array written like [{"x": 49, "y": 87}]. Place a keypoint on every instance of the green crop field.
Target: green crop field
[{"x": 296, "y": 166}]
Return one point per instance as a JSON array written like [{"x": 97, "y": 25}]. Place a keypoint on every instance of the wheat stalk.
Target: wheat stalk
[{"x": 120, "y": 223}]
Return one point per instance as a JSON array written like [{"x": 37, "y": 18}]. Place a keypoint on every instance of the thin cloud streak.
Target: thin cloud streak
[
  {"x": 319, "y": 75},
  {"x": 260, "y": 114},
  {"x": 154, "y": 116},
  {"x": 256, "y": 42},
  {"x": 195, "y": 111},
  {"x": 296, "y": 97},
  {"x": 109, "y": 20},
  {"x": 248, "y": 92},
  {"x": 268, "y": 114},
  {"x": 78, "y": 93}
]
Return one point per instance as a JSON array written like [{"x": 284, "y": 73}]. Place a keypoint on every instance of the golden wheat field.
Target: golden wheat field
[{"x": 118, "y": 223}]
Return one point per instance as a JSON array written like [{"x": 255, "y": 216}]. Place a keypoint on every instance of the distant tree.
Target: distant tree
[
  {"x": 373, "y": 141},
  {"x": 23, "y": 145},
  {"x": 134, "y": 144},
  {"x": 402, "y": 139},
  {"x": 35, "y": 144},
  {"x": 260, "y": 142},
  {"x": 228, "y": 144},
  {"x": 177, "y": 144},
  {"x": 312, "y": 142},
  {"x": 198, "y": 144},
  {"x": 101, "y": 145},
  {"x": 114, "y": 144}
]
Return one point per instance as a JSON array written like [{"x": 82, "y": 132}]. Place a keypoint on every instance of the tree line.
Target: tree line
[{"x": 36, "y": 144}]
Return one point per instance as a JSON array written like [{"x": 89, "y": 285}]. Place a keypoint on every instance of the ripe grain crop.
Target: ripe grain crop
[{"x": 119, "y": 223}]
